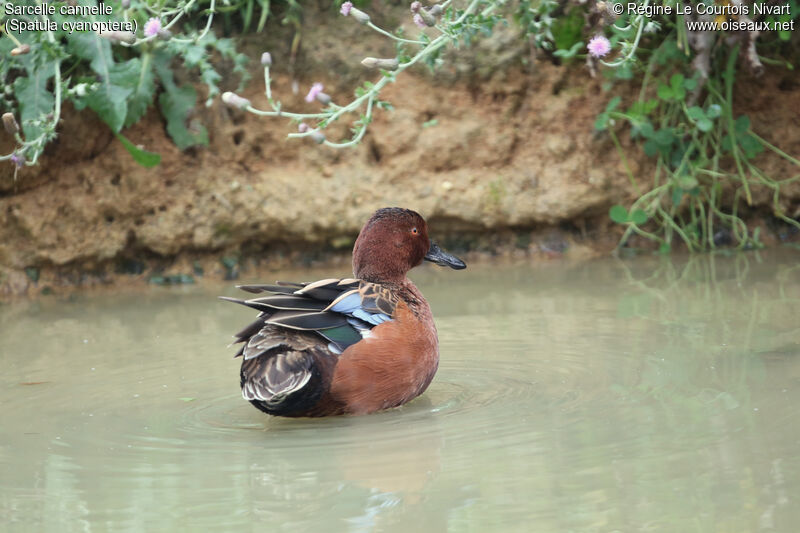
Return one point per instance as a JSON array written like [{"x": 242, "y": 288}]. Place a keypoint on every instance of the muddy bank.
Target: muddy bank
[{"x": 511, "y": 165}]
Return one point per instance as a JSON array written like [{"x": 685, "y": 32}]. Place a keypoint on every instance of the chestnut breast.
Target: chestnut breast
[{"x": 395, "y": 364}]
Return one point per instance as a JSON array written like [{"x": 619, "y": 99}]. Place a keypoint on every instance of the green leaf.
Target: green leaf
[
  {"x": 601, "y": 122},
  {"x": 639, "y": 217},
  {"x": 650, "y": 148},
  {"x": 618, "y": 214},
  {"x": 110, "y": 104},
  {"x": 664, "y": 137},
  {"x": 568, "y": 53},
  {"x": 612, "y": 105},
  {"x": 676, "y": 81},
  {"x": 193, "y": 54},
  {"x": 116, "y": 81},
  {"x": 647, "y": 131},
  {"x": 176, "y": 106},
  {"x": 35, "y": 101},
  {"x": 143, "y": 92},
  {"x": 750, "y": 145},
  {"x": 742, "y": 125},
  {"x": 664, "y": 92},
  {"x": 727, "y": 143},
  {"x": 704, "y": 124},
  {"x": 689, "y": 84},
  {"x": 93, "y": 48},
  {"x": 143, "y": 157},
  {"x": 695, "y": 113},
  {"x": 677, "y": 196},
  {"x": 623, "y": 72}
]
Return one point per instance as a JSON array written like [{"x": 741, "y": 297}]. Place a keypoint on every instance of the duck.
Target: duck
[{"x": 348, "y": 346}]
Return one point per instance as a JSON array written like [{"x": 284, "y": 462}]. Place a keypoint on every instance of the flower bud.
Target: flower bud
[
  {"x": 426, "y": 17},
  {"x": 435, "y": 10},
  {"x": 323, "y": 98},
  {"x": 10, "y": 123},
  {"x": 21, "y": 49},
  {"x": 126, "y": 4},
  {"x": 119, "y": 36},
  {"x": 359, "y": 15},
  {"x": 234, "y": 100},
  {"x": 164, "y": 35},
  {"x": 386, "y": 64},
  {"x": 266, "y": 59},
  {"x": 317, "y": 137},
  {"x": 302, "y": 127}
]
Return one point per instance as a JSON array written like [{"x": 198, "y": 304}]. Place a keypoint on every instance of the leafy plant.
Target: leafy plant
[
  {"x": 116, "y": 74},
  {"x": 451, "y": 25},
  {"x": 683, "y": 116}
]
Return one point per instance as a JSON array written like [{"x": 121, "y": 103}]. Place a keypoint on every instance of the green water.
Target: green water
[{"x": 636, "y": 395}]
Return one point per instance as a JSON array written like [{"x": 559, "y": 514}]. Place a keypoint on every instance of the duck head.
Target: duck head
[{"x": 392, "y": 242}]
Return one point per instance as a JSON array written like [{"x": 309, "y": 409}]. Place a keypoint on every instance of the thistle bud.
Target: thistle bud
[
  {"x": 126, "y": 4},
  {"x": 302, "y": 127},
  {"x": 164, "y": 35},
  {"x": 323, "y": 98},
  {"x": 435, "y": 10},
  {"x": 426, "y": 17},
  {"x": 266, "y": 59},
  {"x": 119, "y": 36},
  {"x": 386, "y": 64},
  {"x": 21, "y": 50},
  {"x": 359, "y": 15},
  {"x": 10, "y": 123},
  {"x": 317, "y": 137},
  {"x": 234, "y": 100}
]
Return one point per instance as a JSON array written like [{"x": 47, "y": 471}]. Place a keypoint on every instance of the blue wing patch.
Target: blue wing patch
[{"x": 350, "y": 305}]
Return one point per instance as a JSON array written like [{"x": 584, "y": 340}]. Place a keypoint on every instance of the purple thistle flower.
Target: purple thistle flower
[
  {"x": 152, "y": 27},
  {"x": 302, "y": 127},
  {"x": 599, "y": 46},
  {"x": 415, "y": 7},
  {"x": 419, "y": 21},
  {"x": 18, "y": 159},
  {"x": 346, "y": 7},
  {"x": 315, "y": 90}
]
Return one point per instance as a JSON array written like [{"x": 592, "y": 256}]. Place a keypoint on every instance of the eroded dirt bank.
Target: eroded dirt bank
[{"x": 511, "y": 164}]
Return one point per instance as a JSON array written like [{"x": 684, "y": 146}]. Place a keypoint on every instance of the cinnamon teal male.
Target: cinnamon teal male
[{"x": 347, "y": 346}]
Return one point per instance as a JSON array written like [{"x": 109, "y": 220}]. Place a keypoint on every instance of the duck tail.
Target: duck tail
[{"x": 285, "y": 381}]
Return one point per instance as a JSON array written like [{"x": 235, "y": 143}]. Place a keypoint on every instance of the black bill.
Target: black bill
[{"x": 442, "y": 258}]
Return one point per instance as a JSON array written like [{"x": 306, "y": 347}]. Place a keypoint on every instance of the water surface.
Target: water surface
[{"x": 635, "y": 395}]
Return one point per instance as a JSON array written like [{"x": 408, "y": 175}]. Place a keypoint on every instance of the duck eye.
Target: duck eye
[{"x": 414, "y": 230}]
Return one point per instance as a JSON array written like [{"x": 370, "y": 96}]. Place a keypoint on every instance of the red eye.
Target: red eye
[{"x": 414, "y": 231}]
